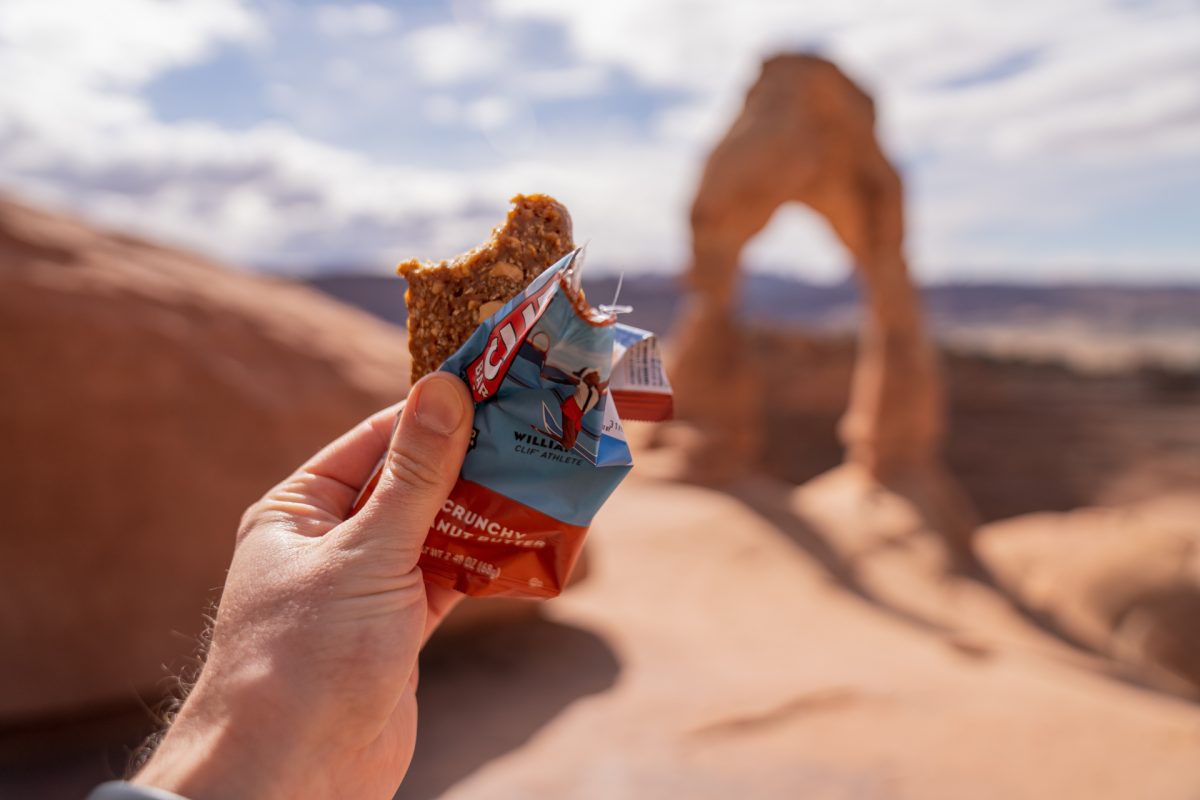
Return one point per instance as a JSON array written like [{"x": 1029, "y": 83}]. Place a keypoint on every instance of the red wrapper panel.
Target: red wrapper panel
[{"x": 485, "y": 544}]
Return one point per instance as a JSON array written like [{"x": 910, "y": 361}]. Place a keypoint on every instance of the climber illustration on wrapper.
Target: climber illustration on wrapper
[
  {"x": 588, "y": 389},
  {"x": 583, "y": 389}
]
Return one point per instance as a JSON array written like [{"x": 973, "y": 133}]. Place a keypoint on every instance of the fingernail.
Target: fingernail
[{"x": 439, "y": 406}]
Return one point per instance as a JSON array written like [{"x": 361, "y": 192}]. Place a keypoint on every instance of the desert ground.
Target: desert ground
[
  {"x": 711, "y": 652},
  {"x": 717, "y": 647}
]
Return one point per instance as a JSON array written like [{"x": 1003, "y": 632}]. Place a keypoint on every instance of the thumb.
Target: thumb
[{"x": 420, "y": 468}]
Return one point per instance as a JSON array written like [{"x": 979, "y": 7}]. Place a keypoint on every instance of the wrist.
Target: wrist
[
  {"x": 202, "y": 762},
  {"x": 210, "y": 752}
]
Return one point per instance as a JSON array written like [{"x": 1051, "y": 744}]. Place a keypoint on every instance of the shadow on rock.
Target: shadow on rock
[
  {"x": 773, "y": 501},
  {"x": 486, "y": 692}
]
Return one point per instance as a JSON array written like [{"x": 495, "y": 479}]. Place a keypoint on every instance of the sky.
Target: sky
[{"x": 1039, "y": 140}]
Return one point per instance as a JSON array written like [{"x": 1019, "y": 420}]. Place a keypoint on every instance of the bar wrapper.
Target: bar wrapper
[{"x": 551, "y": 379}]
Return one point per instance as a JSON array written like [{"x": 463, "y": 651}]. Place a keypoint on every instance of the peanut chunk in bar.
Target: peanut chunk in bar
[{"x": 447, "y": 300}]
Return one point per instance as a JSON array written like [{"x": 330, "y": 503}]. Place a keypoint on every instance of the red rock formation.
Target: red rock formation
[
  {"x": 806, "y": 134},
  {"x": 148, "y": 396},
  {"x": 716, "y": 388},
  {"x": 1122, "y": 581}
]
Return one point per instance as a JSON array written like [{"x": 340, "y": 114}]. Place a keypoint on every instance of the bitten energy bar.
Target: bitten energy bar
[{"x": 447, "y": 300}]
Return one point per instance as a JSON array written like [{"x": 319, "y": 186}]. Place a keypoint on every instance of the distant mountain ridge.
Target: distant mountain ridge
[{"x": 656, "y": 300}]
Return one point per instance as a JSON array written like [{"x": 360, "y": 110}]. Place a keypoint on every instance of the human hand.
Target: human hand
[{"x": 309, "y": 687}]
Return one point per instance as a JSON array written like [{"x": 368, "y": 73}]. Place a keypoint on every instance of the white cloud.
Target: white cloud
[
  {"x": 360, "y": 19},
  {"x": 1085, "y": 53},
  {"x": 60, "y": 77},
  {"x": 445, "y": 54},
  {"x": 76, "y": 131},
  {"x": 490, "y": 112},
  {"x": 268, "y": 194},
  {"x": 478, "y": 48},
  {"x": 1027, "y": 117},
  {"x": 798, "y": 237},
  {"x": 1058, "y": 88},
  {"x": 247, "y": 195},
  {"x": 140, "y": 38}
]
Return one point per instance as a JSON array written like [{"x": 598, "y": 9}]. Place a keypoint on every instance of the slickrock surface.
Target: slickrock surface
[
  {"x": 1123, "y": 581},
  {"x": 148, "y": 397}
]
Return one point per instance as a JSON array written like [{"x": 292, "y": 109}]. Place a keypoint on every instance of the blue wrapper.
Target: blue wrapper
[{"x": 551, "y": 379}]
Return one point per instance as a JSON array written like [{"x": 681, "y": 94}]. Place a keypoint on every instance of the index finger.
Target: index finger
[{"x": 349, "y": 461}]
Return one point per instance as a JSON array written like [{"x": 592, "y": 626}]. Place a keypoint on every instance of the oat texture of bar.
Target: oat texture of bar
[{"x": 447, "y": 300}]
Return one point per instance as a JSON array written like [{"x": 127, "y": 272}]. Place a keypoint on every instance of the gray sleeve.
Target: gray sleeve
[{"x": 120, "y": 790}]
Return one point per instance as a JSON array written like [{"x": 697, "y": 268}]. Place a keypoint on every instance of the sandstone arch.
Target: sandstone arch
[{"x": 806, "y": 134}]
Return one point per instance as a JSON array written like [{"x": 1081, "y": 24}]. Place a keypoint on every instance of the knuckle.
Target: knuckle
[
  {"x": 260, "y": 510},
  {"x": 250, "y": 518},
  {"x": 409, "y": 469}
]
